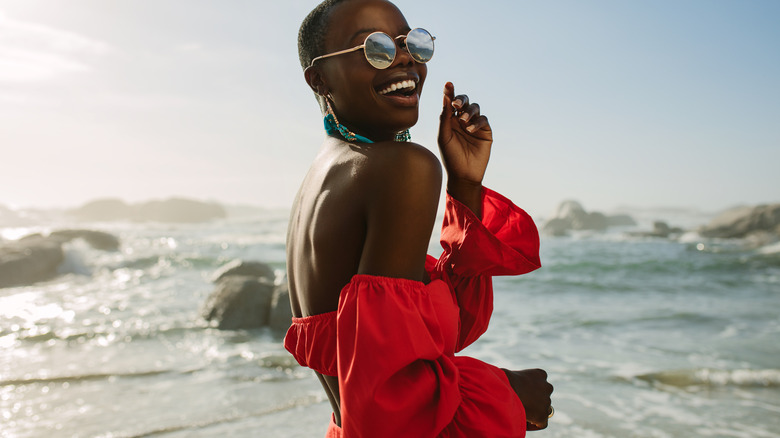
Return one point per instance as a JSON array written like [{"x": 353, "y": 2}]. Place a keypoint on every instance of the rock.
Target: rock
[
  {"x": 281, "y": 311},
  {"x": 174, "y": 210},
  {"x": 247, "y": 298},
  {"x": 742, "y": 221},
  {"x": 36, "y": 257},
  {"x": 239, "y": 302},
  {"x": 620, "y": 220},
  {"x": 566, "y": 216},
  {"x": 557, "y": 227},
  {"x": 178, "y": 210},
  {"x": 96, "y": 239},
  {"x": 242, "y": 268},
  {"x": 757, "y": 239},
  {"x": 29, "y": 260},
  {"x": 660, "y": 229},
  {"x": 571, "y": 216},
  {"x": 104, "y": 210},
  {"x": 29, "y": 237},
  {"x": 570, "y": 210},
  {"x": 592, "y": 221}
]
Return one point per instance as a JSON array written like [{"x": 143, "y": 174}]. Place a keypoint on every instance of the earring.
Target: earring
[
  {"x": 403, "y": 136},
  {"x": 332, "y": 124}
]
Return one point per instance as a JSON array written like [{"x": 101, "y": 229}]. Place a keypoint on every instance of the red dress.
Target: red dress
[{"x": 392, "y": 342}]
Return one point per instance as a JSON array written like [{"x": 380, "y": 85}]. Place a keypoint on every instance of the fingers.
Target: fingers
[
  {"x": 534, "y": 390},
  {"x": 467, "y": 111},
  {"x": 455, "y": 105},
  {"x": 447, "y": 104},
  {"x": 470, "y": 118},
  {"x": 468, "y": 114},
  {"x": 460, "y": 102},
  {"x": 531, "y": 426},
  {"x": 539, "y": 422},
  {"x": 445, "y": 120},
  {"x": 459, "y": 109}
]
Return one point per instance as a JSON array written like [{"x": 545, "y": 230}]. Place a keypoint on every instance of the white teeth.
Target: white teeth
[{"x": 399, "y": 86}]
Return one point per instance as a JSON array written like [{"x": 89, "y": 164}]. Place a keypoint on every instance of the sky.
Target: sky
[{"x": 611, "y": 103}]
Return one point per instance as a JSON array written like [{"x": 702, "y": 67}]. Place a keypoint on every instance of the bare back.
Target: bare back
[
  {"x": 325, "y": 239},
  {"x": 334, "y": 217},
  {"x": 326, "y": 231}
]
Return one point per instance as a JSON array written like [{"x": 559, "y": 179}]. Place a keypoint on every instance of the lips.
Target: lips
[
  {"x": 400, "y": 89},
  {"x": 403, "y": 87}
]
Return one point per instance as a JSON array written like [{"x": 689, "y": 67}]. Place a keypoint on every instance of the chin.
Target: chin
[{"x": 407, "y": 122}]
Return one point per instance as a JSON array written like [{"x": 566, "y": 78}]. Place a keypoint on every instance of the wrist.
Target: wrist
[{"x": 468, "y": 193}]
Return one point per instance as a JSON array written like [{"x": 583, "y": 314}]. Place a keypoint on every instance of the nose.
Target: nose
[{"x": 402, "y": 55}]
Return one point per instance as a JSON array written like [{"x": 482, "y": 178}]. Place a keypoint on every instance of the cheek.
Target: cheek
[
  {"x": 423, "y": 72},
  {"x": 353, "y": 87},
  {"x": 357, "y": 102},
  {"x": 360, "y": 97}
]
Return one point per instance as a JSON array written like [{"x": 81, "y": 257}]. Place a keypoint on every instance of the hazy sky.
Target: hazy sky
[{"x": 653, "y": 103}]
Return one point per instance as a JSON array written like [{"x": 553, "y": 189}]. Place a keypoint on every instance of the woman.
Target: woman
[{"x": 377, "y": 319}]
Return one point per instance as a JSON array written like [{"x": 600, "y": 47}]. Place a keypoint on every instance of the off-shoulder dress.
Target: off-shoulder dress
[{"x": 392, "y": 341}]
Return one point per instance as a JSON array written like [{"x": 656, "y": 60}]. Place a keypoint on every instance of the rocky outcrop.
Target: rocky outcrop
[
  {"x": 36, "y": 257},
  {"x": 178, "y": 210},
  {"x": 239, "y": 302},
  {"x": 96, "y": 239},
  {"x": 29, "y": 261},
  {"x": 103, "y": 210},
  {"x": 620, "y": 220},
  {"x": 174, "y": 210},
  {"x": 660, "y": 229},
  {"x": 246, "y": 296},
  {"x": 240, "y": 267},
  {"x": 742, "y": 222},
  {"x": 281, "y": 312},
  {"x": 570, "y": 215}
]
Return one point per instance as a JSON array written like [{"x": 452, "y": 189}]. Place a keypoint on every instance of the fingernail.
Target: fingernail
[
  {"x": 471, "y": 128},
  {"x": 465, "y": 117},
  {"x": 457, "y": 103}
]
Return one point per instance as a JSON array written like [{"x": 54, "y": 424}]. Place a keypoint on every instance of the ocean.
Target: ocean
[{"x": 641, "y": 337}]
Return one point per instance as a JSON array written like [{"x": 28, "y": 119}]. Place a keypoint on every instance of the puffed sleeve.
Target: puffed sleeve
[
  {"x": 504, "y": 242},
  {"x": 397, "y": 371}
]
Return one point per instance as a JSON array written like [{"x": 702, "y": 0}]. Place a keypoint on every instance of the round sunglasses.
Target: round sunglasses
[{"x": 380, "y": 48}]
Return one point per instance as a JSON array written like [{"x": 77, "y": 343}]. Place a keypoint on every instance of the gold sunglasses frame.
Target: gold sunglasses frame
[{"x": 363, "y": 46}]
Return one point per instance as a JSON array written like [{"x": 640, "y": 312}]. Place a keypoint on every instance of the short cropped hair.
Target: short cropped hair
[{"x": 311, "y": 36}]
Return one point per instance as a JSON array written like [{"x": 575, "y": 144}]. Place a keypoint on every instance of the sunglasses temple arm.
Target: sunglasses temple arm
[{"x": 341, "y": 52}]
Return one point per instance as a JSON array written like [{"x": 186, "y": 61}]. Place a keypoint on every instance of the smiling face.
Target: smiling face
[{"x": 374, "y": 103}]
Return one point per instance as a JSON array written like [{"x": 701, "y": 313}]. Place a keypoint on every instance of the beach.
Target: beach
[{"x": 641, "y": 336}]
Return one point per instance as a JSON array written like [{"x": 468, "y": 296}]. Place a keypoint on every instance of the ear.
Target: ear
[{"x": 316, "y": 80}]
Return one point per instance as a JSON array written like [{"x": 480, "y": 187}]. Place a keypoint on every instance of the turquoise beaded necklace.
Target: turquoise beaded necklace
[{"x": 332, "y": 126}]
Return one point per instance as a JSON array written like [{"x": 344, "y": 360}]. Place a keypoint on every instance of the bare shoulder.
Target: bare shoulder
[
  {"x": 402, "y": 191},
  {"x": 405, "y": 154},
  {"x": 402, "y": 166}
]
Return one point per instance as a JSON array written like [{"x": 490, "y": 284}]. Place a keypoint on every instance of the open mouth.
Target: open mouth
[{"x": 401, "y": 88}]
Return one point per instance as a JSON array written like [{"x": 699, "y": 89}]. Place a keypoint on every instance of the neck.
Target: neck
[{"x": 335, "y": 129}]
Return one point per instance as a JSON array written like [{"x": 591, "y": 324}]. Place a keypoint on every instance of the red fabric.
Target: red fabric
[
  {"x": 312, "y": 341},
  {"x": 392, "y": 342},
  {"x": 334, "y": 431}
]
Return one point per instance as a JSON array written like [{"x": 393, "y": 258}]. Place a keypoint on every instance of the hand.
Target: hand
[
  {"x": 465, "y": 139},
  {"x": 534, "y": 391}
]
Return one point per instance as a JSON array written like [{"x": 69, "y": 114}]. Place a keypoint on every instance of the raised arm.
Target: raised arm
[{"x": 396, "y": 336}]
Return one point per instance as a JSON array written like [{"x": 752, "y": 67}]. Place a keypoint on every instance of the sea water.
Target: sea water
[{"x": 642, "y": 337}]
